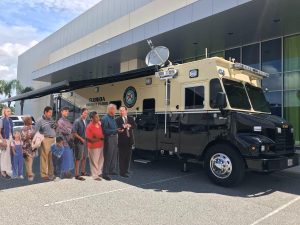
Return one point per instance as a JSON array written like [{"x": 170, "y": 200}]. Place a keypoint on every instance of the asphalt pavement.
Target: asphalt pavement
[{"x": 156, "y": 193}]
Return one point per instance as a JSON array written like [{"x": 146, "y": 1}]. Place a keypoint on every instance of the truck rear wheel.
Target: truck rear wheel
[{"x": 224, "y": 166}]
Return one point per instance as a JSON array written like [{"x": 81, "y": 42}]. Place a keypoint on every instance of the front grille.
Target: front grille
[{"x": 284, "y": 140}]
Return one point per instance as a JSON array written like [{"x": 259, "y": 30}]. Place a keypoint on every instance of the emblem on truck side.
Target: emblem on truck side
[{"x": 130, "y": 97}]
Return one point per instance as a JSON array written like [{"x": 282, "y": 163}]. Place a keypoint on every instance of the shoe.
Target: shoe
[
  {"x": 79, "y": 178},
  {"x": 85, "y": 174},
  {"x": 21, "y": 177},
  {"x": 30, "y": 178},
  {"x": 13, "y": 177},
  {"x": 113, "y": 173},
  {"x": 57, "y": 179},
  {"x": 68, "y": 175},
  {"x": 106, "y": 178},
  {"x": 124, "y": 175},
  {"x": 98, "y": 179},
  {"x": 7, "y": 177},
  {"x": 46, "y": 179},
  {"x": 100, "y": 175},
  {"x": 52, "y": 177}
]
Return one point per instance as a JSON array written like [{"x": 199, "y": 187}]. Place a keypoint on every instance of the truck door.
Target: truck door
[
  {"x": 193, "y": 122},
  {"x": 168, "y": 139},
  {"x": 146, "y": 130}
]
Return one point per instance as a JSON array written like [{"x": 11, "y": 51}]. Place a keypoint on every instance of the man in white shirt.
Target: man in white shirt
[{"x": 126, "y": 125}]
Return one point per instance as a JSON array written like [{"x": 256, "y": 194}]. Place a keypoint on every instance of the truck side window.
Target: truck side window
[
  {"x": 194, "y": 97},
  {"x": 215, "y": 87},
  {"x": 149, "y": 106},
  {"x": 117, "y": 103}
]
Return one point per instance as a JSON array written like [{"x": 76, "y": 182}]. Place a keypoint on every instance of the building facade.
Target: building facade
[{"x": 110, "y": 38}]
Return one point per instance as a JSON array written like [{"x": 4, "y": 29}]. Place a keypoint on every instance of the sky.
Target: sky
[{"x": 23, "y": 23}]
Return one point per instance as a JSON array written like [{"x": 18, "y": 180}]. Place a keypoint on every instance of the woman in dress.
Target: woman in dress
[
  {"x": 95, "y": 139},
  {"x": 6, "y": 132},
  {"x": 27, "y": 134}
]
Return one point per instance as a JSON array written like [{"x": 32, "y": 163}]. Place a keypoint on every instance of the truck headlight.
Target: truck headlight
[
  {"x": 279, "y": 130},
  {"x": 292, "y": 130}
]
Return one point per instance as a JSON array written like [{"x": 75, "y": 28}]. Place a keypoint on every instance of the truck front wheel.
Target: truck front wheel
[{"x": 224, "y": 165}]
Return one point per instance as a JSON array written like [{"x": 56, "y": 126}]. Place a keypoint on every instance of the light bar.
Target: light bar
[
  {"x": 240, "y": 66},
  {"x": 171, "y": 73}
]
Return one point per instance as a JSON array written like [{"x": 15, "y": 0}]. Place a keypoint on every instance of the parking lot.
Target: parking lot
[{"x": 157, "y": 193}]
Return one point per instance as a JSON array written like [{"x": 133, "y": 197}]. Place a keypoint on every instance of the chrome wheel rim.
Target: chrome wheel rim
[{"x": 220, "y": 165}]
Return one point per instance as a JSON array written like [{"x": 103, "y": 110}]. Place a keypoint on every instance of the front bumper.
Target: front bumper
[{"x": 273, "y": 164}]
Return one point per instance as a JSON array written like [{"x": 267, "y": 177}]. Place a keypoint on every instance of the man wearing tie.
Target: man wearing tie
[{"x": 126, "y": 125}]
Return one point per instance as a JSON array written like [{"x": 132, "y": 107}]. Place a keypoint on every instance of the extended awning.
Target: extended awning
[{"x": 66, "y": 86}]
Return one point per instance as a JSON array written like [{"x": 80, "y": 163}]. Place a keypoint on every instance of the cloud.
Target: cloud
[
  {"x": 15, "y": 40},
  {"x": 75, "y": 6},
  {"x": 25, "y": 23}
]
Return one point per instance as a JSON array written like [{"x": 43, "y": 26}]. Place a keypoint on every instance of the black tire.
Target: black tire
[{"x": 219, "y": 152}]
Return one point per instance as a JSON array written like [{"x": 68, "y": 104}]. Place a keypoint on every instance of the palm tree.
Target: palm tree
[
  {"x": 7, "y": 88},
  {"x": 24, "y": 90}
]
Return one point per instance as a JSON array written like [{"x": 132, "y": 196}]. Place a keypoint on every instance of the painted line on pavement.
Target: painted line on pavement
[
  {"x": 116, "y": 190},
  {"x": 276, "y": 211}
]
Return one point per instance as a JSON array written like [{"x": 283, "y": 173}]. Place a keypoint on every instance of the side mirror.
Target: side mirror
[{"x": 221, "y": 100}]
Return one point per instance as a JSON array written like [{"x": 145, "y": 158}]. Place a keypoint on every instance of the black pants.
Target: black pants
[{"x": 125, "y": 152}]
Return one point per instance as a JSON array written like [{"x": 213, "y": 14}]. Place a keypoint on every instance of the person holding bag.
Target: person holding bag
[
  {"x": 27, "y": 134},
  {"x": 6, "y": 131}
]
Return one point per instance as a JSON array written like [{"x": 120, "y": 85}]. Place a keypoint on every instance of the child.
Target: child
[
  {"x": 17, "y": 152},
  {"x": 57, "y": 150}
]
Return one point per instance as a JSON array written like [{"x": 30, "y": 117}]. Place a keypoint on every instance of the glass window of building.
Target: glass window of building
[
  {"x": 194, "y": 97},
  {"x": 234, "y": 53},
  {"x": 275, "y": 100},
  {"x": 292, "y": 53},
  {"x": 271, "y": 56},
  {"x": 271, "y": 63},
  {"x": 292, "y": 83},
  {"x": 250, "y": 55},
  {"x": 217, "y": 54},
  {"x": 292, "y": 111}
]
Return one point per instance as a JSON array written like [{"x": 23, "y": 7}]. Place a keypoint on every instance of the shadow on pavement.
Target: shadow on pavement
[
  {"x": 254, "y": 185},
  {"x": 166, "y": 175},
  {"x": 15, "y": 183}
]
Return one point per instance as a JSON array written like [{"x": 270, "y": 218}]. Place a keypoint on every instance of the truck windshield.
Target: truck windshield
[
  {"x": 236, "y": 94},
  {"x": 257, "y": 98}
]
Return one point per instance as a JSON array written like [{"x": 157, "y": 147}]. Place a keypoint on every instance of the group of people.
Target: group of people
[{"x": 64, "y": 147}]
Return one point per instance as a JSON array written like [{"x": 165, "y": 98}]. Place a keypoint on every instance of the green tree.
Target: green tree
[
  {"x": 7, "y": 88},
  {"x": 24, "y": 90}
]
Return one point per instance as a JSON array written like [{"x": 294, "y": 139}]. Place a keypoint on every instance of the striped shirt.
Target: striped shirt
[{"x": 46, "y": 127}]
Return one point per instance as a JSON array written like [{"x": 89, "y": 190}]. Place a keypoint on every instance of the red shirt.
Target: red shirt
[{"x": 94, "y": 132}]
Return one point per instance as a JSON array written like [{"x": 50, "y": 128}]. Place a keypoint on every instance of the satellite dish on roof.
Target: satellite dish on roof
[{"x": 158, "y": 56}]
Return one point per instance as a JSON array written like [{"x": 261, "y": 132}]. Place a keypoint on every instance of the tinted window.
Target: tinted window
[
  {"x": 117, "y": 103},
  {"x": 275, "y": 102},
  {"x": 271, "y": 56},
  {"x": 215, "y": 88},
  {"x": 194, "y": 97},
  {"x": 233, "y": 54},
  {"x": 236, "y": 94},
  {"x": 149, "y": 105},
  {"x": 257, "y": 98},
  {"x": 251, "y": 55}
]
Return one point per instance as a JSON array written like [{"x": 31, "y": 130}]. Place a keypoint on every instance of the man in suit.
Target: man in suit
[{"x": 126, "y": 125}]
